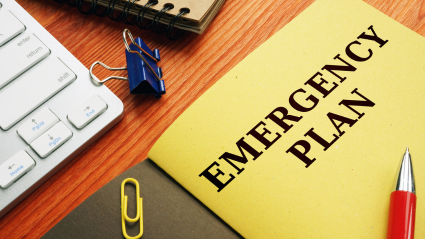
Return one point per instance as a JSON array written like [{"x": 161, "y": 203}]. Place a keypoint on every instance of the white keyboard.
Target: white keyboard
[{"x": 50, "y": 111}]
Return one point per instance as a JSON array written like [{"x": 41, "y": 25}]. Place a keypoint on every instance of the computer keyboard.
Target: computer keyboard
[{"x": 50, "y": 110}]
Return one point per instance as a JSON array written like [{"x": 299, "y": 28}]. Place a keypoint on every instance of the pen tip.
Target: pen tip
[{"x": 406, "y": 180}]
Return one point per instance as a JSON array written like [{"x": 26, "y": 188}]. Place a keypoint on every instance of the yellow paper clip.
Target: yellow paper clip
[{"x": 124, "y": 216}]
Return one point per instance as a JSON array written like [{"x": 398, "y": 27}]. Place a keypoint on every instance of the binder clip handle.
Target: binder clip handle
[
  {"x": 100, "y": 82},
  {"x": 127, "y": 32}
]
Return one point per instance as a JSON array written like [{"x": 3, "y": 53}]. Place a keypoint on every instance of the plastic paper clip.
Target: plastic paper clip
[
  {"x": 144, "y": 76},
  {"x": 124, "y": 216}
]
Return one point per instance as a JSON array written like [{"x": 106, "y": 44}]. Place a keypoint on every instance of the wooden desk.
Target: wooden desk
[{"x": 191, "y": 65}]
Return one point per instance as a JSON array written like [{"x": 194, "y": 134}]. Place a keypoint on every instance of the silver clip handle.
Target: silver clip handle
[
  {"x": 126, "y": 31},
  {"x": 109, "y": 68}
]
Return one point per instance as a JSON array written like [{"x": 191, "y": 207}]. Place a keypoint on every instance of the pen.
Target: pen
[{"x": 401, "y": 219}]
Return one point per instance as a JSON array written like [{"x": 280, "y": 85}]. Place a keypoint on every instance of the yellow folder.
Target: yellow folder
[{"x": 302, "y": 139}]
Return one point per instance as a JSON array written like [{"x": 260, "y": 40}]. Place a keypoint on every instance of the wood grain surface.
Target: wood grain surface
[{"x": 191, "y": 65}]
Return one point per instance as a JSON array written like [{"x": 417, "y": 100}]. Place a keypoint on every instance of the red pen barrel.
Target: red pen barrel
[{"x": 401, "y": 219}]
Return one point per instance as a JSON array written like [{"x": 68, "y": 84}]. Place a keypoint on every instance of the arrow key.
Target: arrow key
[
  {"x": 14, "y": 168},
  {"x": 87, "y": 111},
  {"x": 51, "y": 140},
  {"x": 37, "y": 125}
]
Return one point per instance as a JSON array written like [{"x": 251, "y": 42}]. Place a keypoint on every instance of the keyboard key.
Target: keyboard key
[
  {"x": 31, "y": 89},
  {"x": 22, "y": 53},
  {"x": 14, "y": 168},
  {"x": 51, "y": 140},
  {"x": 87, "y": 111},
  {"x": 10, "y": 26},
  {"x": 37, "y": 125}
]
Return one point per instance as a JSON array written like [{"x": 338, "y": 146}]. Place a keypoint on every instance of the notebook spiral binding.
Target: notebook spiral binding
[{"x": 137, "y": 19}]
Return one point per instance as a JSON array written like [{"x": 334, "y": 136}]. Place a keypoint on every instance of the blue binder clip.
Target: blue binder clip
[{"x": 144, "y": 76}]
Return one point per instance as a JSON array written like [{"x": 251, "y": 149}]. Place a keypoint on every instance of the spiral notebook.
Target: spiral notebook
[{"x": 187, "y": 15}]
